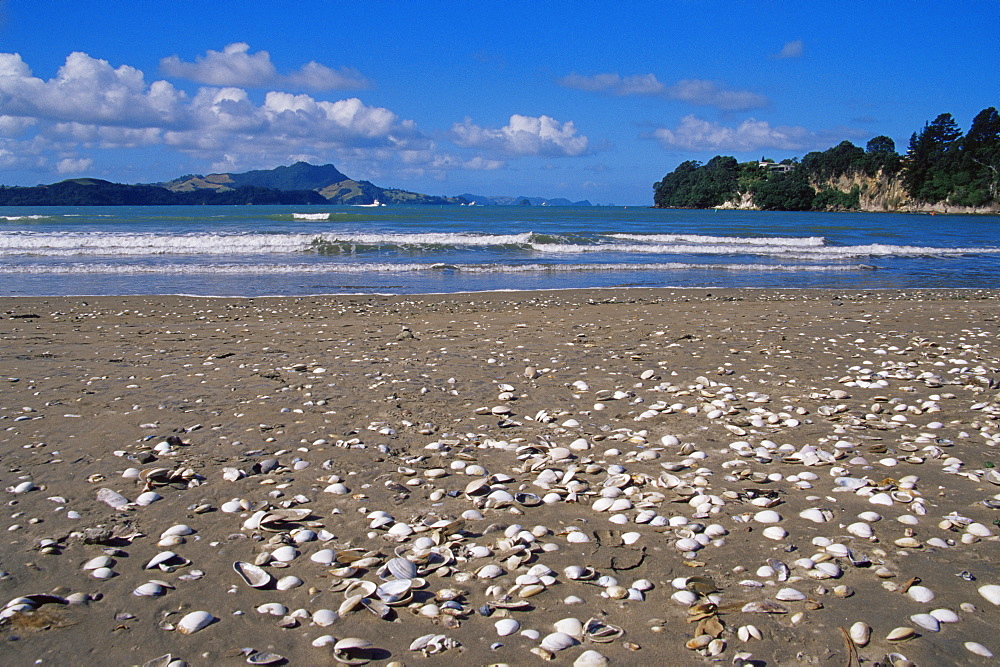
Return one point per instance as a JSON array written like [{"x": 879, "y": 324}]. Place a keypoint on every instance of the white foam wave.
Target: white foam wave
[
  {"x": 15, "y": 218},
  {"x": 790, "y": 252},
  {"x": 723, "y": 240},
  {"x": 310, "y": 216},
  {"x": 109, "y": 243},
  {"x": 359, "y": 268}
]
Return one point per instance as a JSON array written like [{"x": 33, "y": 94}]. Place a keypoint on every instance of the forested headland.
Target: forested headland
[{"x": 943, "y": 170}]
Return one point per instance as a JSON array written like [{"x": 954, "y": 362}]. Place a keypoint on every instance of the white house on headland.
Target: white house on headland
[{"x": 774, "y": 167}]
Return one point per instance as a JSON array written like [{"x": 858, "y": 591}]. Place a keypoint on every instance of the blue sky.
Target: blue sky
[{"x": 583, "y": 100}]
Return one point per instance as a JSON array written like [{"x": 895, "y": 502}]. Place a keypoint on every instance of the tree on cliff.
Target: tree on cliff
[
  {"x": 931, "y": 159},
  {"x": 978, "y": 180}
]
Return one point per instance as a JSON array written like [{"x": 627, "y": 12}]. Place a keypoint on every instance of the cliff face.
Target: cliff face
[{"x": 877, "y": 194}]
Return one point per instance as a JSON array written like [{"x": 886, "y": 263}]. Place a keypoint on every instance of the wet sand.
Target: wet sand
[{"x": 696, "y": 409}]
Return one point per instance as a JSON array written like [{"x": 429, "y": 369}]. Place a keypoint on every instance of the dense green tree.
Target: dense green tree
[
  {"x": 979, "y": 180},
  {"x": 784, "y": 192},
  {"x": 844, "y": 158},
  {"x": 931, "y": 157}
]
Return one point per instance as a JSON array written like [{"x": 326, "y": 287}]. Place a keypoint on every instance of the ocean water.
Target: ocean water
[{"x": 287, "y": 250}]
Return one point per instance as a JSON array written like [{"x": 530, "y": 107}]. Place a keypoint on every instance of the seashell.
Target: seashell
[
  {"x": 285, "y": 554},
  {"x": 531, "y": 590},
  {"x": 377, "y": 607},
  {"x": 352, "y": 651},
  {"x": 264, "y": 658},
  {"x": 789, "y": 595},
  {"x": 324, "y": 617},
  {"x": 195, "y": 621},
  {"x": 102, "y": 573},
  {"x": 978, "y": 649},
  {"x": 557, "y": 641},
  {"x": 489, "y": 571},
  {"x": 149, "y": 589},
  {"x": 767, "y": 516},
  {"x": 251, "y": 574},
  {"x": 397, "y": 591},
  {"x": 324, "y": 557},
  {"x": 591, "y": 658},
  {"x": 945, "y": 616},
  {"x": 920, "y": 593},
  {"x": 360, "y": 587},
  {"x": 349, "y": 604},
  {"x": 926, "y": 621},
  {"x": 399, "y": 568},
  {"x": 881, "y": 499},
  {"x": 112, "y": 498},
  {"x": 179, "y": 529},
  {"x": 600, "y": 632},
  {"x": 97, "y": 562},
  {"x": 775, "y": 533},
  {"x": 147, "y": 498},
  {"x": 324, "y": 640},
  {"x": 165, "y": 560},
  {"x": 991, "y": 592},
  {"x": 860, "y": 529},
  {"x": 860, "y": 633},
  {"x": 816, "y": 515},
  {"x": 901, "y": 634},
  {"x": 288, "y": 583},
  {"x": 571, "y": 626},
  {"x": 273, "y": 609},
  {"x": 699, "y": 642},
  {"x": 506, "y": 626},
  {"x": 764, "y": 607}
]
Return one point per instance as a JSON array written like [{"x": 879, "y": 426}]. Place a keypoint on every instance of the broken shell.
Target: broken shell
[
  {"x": 251, "y": 574},
  {"x": 352, "y": 651},
  {"x": 195, "y": 621}
]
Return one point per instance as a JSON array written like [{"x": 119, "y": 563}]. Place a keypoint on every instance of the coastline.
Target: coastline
[{"x": 398, "y": 397}]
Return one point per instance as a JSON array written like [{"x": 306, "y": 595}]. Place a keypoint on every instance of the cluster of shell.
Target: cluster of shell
[{"x": 648, "y": 487}]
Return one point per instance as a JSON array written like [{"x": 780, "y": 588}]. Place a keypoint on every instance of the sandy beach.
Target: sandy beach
[{"x": 695, "y": 476}]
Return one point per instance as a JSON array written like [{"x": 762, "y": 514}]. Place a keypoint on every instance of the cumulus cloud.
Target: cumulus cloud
[
  {"x": 236, "y": 66},
  {"x": 696, "y": 134},
  {"x": 523, "y": 135},
  {"x": 794, "y": 49},
  {"x": 699, "y": 92},
  {"x": 74, "y": 165}
]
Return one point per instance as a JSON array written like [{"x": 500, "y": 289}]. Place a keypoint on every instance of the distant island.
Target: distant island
[
  {"x": 298, "y": 184},
  {"x": 942, "y": 172}
]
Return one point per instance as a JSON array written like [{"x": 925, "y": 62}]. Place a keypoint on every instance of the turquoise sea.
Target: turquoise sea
[{"x": 281, "y": 250}]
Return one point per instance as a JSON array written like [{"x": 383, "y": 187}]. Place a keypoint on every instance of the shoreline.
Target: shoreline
[{"x": 698, "y": 441}]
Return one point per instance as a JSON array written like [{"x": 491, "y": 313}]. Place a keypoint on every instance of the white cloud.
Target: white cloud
[
  {"x": 696, "y": 134},
  {"x": 794, "y": 49},
  {"x": 236, "y": 66},
  {"x": 711, "y": 94},
  {"x": 693, "y": 91},
  {"x": 73, "y": 165},
  {"x": 615, "y": 84},
  {"x": 523, "y": 135}
]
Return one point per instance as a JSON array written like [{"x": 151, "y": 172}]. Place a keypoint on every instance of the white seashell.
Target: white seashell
[
  {"x": 767, "y": 516},
  {"x": 685, "y": 597},
  {"x": 112, "y": 498},
  {"x": 789, "y": 595},
  {"x": 775, "y": 533},
  {"x": 195, "y": 621},
  {"x": 900, "y": 634},
  {"x": 147, "y": 498},
  {"x": 577, "y": 537},
  {"x": 860, "y": 633},
  {"x": 829, "y": 568},
  {"x": 920, "y": 593},
  {"x": 860, "y": 529},
  {"x": 102, "y": 573},
  {"x": 506, "y": 626},
  {"x": 489, "y": 571},
  {"x": 325, "y": 640},
  {"x": 881, "y": 499},
  {"x": 926, "y": 621},
  {"x": 148, "y": 589},
  {"x": 591, "y": 658},
  {"x": 945, "y": 616},
  {"x": 991, "y": 592},
  {"x": 272, "y": 608},
  {"x": 815, "y": 515},
  {"x": 978, "y": 649},
  {"x": 284, "y": 554},
  {"x": 870, "y": 516},
  {"x": 324, "y": 556},
  {"x": 232, "y": 506},
  {"x": 325, "y": 617},
  {"x": 571, "y": 626},
  {"x": 557, "y": 641},
  {"x": 251, "y": 574},
  {"x": 99, "y": 561},
  {"x": 288, "y": 583}
]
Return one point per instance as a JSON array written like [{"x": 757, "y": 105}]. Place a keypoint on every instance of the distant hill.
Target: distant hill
[
  {"x": 326, "y": 180},
  {"x": 95, "y": 192},
  {"x": 481, "y": 200}
]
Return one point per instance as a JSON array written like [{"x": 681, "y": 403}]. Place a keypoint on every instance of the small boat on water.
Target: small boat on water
[{"x": 374, "y": 203}]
